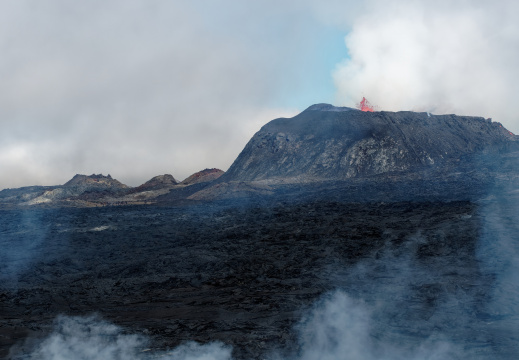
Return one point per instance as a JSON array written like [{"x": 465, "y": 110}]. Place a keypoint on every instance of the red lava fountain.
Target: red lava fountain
[{"x": 364, "y": 105}]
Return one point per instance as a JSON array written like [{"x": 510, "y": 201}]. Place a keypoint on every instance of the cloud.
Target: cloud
[
  {"x": 138, "y": 88},
  {"x": 442, "y": 57}
]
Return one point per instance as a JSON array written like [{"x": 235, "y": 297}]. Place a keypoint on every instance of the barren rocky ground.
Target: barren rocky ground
[
  {"x": 335, "y": 234},
  {"x": 245, "y": 273}
]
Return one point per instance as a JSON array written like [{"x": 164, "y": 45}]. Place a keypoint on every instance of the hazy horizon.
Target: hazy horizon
[{"x": 141, "y": 88}]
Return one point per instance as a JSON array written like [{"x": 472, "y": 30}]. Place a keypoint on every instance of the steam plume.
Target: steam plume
[
  {"x": 338, "y": 327},
  {"x": 442, "y": 57}
]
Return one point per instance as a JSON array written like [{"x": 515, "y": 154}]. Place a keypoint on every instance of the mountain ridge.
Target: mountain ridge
[
  {"x": 339, "y": 144},
  {"x": 321, "y": 145},
  {"x": 418, "y": 243}
]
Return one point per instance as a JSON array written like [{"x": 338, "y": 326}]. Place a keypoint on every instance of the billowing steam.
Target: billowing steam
[
  {"x": 91, "y": 338},
  {"x": 21, "y": 241},
  {"x": 200, "y": 76},
  {"x": 441, "y": 56},
  {"x": 498, "y": 252},
  {"x": 338, "y": 327}
]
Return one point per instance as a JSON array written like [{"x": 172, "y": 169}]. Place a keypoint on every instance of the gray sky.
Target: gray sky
[{"x": 137, "y": 88}]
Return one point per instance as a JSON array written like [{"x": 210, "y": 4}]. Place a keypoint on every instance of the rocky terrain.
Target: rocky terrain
[
  {"x": 335, "y": 233},
  {"x": 156, "y": 183},
  {"x": 245, "y": 273},
  {"x": 203, "y": 176},
  {"x": 321, "y": 145},
  {"x": 77, "y": 191},
  {"x": 326, "y": 142},
  {"x": 99, "y": 190}
]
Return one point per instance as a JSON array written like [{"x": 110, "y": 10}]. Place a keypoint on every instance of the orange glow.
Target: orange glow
[{"x": 365, "y": 105}]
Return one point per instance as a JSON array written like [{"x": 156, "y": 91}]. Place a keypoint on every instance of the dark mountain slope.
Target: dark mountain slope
[
  {"x": 203, "y": 176},
  {"x": 326, "y": 142},
  {"x": 156, "y": 183},
  {"x": 417, "y": 221},
  {"x": 94, "y": 180}
]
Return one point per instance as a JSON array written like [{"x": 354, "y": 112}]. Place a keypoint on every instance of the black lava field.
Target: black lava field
[{"x": 431, "y": 278}]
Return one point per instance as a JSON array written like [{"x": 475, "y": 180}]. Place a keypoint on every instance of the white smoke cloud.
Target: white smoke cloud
[
  {"x": 24, "y": 234},
  {"x": 337, "y": 328},
  {"x": 498, "y": 254},
  {"x": 340, "y": 327},
  {"x": 91, "y": 338},
  {"x": 442, "y": 56},
  {"x": 88, "y": 338},
  {"x": 139, "y": 88}
]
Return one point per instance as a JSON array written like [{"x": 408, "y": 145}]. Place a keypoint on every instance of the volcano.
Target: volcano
[
  {"x": 334, "y": 233},
  {"x": 327, "y": 142}
]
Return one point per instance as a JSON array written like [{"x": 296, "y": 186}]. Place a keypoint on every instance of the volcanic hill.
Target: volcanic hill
[
  {"x": 156, "y": 183},
  {"x": 326, "y": 142},
  {"x": 203, "y": 176},
  {"x": 94, "y": 180},
  {"x": 410, "y": 218},
  {"x": 330, "y": 147}
]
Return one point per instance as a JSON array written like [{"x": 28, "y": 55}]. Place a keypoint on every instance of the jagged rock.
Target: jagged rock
[
  {"x": 326, "y": 142},
  {"x": 150, "y": 190},
  {"x": 98, "y": 180},
  {"x": 164, "y": 188},
  {"x": 156, "y": 183},
  {"x": 231, "y": 190},
  {"x": 243, "y": 274},
  {"x": 81, "y": 188},
  {"x": 322, "y": 145},
  {"x": 23, "y": 194},
  {"x": 203, "y": 176}
]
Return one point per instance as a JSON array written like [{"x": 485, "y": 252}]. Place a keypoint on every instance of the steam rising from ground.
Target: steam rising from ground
[
  {"x": 392, "y": 306},
  {"x": 338, "y": 327},
  {"x": 499, "y": 253},
  {"x": 91, "y": 338},
  {"x": 463, "y": 305},
  {"x": 21, "y": 242},
  {"x": 87, "y": 338}
]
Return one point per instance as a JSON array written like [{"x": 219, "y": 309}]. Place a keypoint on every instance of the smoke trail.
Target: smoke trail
[
  {"x": 91, "y": 338},
  {"x": 87, "y": 338},
  {"x": 341, "y": 327},
  {"x": 337, "y": 327},
  {"x": 400, "y": 304},
  {"x": 498, "y": 252},
  {"x": 441, "y": 56},
  {"x": 22, "y": 234}
]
